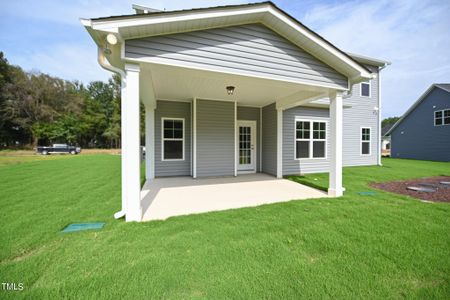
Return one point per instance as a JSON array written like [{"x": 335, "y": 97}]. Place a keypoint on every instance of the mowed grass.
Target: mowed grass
[{"x": 382, "y": 246}]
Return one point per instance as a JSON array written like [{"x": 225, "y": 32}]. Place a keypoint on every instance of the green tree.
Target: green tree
[{"x": 389, "y": 121}]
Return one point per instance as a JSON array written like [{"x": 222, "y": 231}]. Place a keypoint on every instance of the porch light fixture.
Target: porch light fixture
[{"x": 230, "y": 90}]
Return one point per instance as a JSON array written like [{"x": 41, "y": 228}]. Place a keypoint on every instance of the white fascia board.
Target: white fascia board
[
  {"x": 369, "y": 60},
  {"x": 163, "y": 18},
  {"x": 320, "y": 42}
]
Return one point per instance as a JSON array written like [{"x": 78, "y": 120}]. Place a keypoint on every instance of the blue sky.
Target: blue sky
[{"x": 414, "y": 34}]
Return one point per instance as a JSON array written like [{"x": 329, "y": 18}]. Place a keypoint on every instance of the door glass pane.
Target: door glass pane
[{"x": 245, "y": 156}]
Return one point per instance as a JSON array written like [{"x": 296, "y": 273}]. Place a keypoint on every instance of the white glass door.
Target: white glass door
[{"x": 246, "y": 146}]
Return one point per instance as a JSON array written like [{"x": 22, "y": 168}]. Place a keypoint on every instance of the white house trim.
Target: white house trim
[
  {"x": 131, "y": 144},
  {"x": 335, "y": 188},
  {"x": 223, "y": 70},
  {"x": 266, "y": 13},
  {"x": 279, "y": 143},
  {"x": 311, "y": 140},
  {"x": 252, "y": 124},
  {"x": 260, "y": 139},
  {"x": 149, "y": 142},
  {"x": 235, "y": 140},
  {"x": 194, "y": 135}
]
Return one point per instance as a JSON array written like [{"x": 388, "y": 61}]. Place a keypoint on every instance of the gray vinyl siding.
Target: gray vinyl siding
[
  {"x": 269, "y": 139},
  {"x": 215, "y": 138},
  {"x": 251, "y": 49},
  {"x": 416, "y": 137},
  {"x": 303, "y": 166},
  {"x": 252, "y": 114},
  {"x": 171, "y": 109},
  {"x": 360, "y": 114}
]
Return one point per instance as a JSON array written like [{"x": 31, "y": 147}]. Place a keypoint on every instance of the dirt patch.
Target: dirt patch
[{"x": 442, "y": 193}]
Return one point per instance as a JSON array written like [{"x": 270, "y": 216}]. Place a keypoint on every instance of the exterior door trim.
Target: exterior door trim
[{"x": 254, "y": 132}]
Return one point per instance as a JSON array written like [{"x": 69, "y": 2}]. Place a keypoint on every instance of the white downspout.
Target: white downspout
[
  {"x": 379, "y": 113},
  {"x": 107, "y": 66}
]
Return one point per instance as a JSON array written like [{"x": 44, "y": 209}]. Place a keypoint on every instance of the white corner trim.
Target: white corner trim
[
  {"x": 379, "y": 142},
  {"x": 279, "y": 143},
  {"x": 149, "y": 142}
]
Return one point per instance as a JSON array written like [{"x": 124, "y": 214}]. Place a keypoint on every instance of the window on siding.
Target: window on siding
[
  {"x": 442, "y": 117},
  {"x": 447, "y": 117},
  {"x": 365, "y": 141},
  {"x": 365, "y": 89},
  {"x": 310, "y": 139},
  {"x": 173, "y": 139}
]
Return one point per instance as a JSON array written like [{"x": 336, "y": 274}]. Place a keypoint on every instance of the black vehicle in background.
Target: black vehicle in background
[{"x": 58, "y": 149}]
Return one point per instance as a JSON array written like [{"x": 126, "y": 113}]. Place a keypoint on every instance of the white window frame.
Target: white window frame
[
  {"x": 443, "y": 117},
  {"x": 172, "y": 139},
  {"x": 311, "y": 139},
  {"x": 361, "y": 140},
  {"x": 370, "y": 88}
]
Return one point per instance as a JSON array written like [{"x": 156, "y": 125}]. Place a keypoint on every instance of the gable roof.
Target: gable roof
[
  {"x": 386, "y": 129},
  {"x": 443, "y": 86},
  {"x": 165, "y": 22}
]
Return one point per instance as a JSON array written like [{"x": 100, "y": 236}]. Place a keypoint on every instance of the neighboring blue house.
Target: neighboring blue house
[{"x": 424, "y": 130}]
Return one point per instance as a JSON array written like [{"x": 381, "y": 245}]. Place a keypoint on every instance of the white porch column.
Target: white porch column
[
  {"x": 131, "y": 186},
  {"x": 149, "y": 142},
  {"x": 194, "y": 138},
  {"x": 335, "y": 185},
  {"x": 279, "y": 143}
]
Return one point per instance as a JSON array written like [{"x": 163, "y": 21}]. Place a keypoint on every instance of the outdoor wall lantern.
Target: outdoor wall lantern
[{"x": 230, "y": 90}]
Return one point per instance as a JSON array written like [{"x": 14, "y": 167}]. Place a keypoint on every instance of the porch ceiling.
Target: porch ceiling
[{"x": 176, "y": 83}]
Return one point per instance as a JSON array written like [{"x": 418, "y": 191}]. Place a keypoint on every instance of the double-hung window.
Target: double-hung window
[
  {"x": 173, "y": 139},
  {"x": 365, "y": 141},
  {"x": 310, "y": 139},
  {"x": 365, "y": 89},
  {"x": 442, "y": 117}
]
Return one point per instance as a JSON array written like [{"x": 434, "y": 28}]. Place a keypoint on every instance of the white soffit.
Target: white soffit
[{"x": 185, "y": 84}]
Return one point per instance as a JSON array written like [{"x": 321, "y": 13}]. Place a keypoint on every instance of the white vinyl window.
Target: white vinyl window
[
  {"x": 365, "y": 140},
  {"x": 365, "y": 89},
  {"x": 172, "y": 132},
  {"x": 310, "y": 139},
  {"x": 442, "y": 117}
]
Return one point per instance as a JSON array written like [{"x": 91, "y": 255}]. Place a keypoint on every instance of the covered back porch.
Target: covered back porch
[
  {"x": 204, "y": 75},
  {"x": 224, "y": 137}
]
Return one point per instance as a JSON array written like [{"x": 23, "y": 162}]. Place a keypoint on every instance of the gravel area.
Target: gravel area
[{"x": 442, "y": 193}]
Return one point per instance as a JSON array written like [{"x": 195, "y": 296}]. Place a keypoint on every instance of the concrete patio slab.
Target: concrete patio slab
[{"x": 167, "y": 197}]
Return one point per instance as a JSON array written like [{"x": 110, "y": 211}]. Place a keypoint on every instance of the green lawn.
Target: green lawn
[{"x": 382, "y": 246}]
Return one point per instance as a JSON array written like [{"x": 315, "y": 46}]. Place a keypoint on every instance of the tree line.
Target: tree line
[{"x": 39, "y": 109}]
